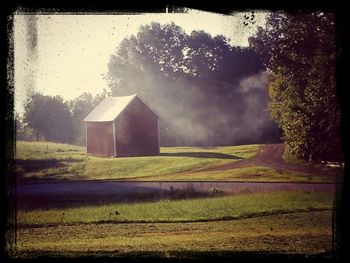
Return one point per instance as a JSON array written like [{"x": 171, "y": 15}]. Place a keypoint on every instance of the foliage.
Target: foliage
[
  {"x": 80, "y": 108},
  {"x": 49, "y": 117},
  {"x": 23, "y": 132},
  {"x": 299, "y": 50},
  {"x": 193, "y": 82},
  {"x": 52, "y": 119}
]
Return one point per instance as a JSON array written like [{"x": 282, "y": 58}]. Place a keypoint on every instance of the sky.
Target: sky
[{"x": 71, "y": 51}]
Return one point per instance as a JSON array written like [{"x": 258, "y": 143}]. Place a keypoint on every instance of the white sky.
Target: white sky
[{"x": 73, "y": 50}]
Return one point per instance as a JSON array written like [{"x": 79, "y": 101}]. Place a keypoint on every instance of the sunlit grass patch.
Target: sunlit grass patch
[
  {"x": 235, "y": 206},
  {"x": 48, "y": 150},
  {"x": 47, "y": 160},
  {"x": 261, "y": 173},
  {"x": 247, "y": 174}
]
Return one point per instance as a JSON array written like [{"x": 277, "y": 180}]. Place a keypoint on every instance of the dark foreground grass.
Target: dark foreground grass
[
  {"x": 294, "y": 233},
  {"x": 225, "y": 207},
  {"x": 91, "y": 199}
]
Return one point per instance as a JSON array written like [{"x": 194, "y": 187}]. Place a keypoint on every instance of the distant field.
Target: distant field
[
  {"x": 214, "y": 208},
  {"x": 38, "y": 161}
]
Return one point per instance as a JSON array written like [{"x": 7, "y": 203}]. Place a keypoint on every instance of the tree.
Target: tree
[
  {"x": 23, "y": 132},
  {"x": 49, "y": 117},
  {"x": 80, "y": 108},
  {"x": 191, "y": 81},
  {"x": 299, "y": 50}
]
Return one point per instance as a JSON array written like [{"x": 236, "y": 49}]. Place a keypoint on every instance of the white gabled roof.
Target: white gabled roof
[{"x": 109, "y": 108}]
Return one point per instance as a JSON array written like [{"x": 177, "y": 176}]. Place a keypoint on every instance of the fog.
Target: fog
[{"x": 190, "y": 117}]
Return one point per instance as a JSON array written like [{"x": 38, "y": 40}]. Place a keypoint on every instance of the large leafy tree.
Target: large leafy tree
[
  {"x": 49, "y": 117},
  {"x": 23, "y": 132},
  {"x": 80, "y": 108},
  {"x": 192, "y": 82},
  {"x": 299, "y": 49}
]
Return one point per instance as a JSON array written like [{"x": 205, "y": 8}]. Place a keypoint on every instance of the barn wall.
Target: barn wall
[
  {"x": 136, "y": 131},
  {"x": 99, "y": 140}
]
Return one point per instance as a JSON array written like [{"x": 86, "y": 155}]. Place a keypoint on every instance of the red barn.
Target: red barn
[{"x": 122, "y": 126}]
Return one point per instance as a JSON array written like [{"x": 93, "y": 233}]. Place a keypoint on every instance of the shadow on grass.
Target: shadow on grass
[
  {"x": 212, "y": 155},
  {"x": 36, "y": 165},
  {"x": 53, "y": 201},
  {"x": 25, "y": 167}
]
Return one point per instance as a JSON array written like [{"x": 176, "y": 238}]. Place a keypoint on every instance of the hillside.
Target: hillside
[{"x": 47, "y": 161}]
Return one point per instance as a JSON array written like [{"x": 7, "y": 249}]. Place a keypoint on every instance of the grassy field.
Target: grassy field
[
  {"x": 285, "y": 222},
  {"x": 190, "y": 225},
  {"x": 295, "y": 233},
  {"x": 45, "y": 160},
  {"x": 37, "y": 161},
  {"x": 215, "y": 208},
  {"x": 247, "y": 174}
]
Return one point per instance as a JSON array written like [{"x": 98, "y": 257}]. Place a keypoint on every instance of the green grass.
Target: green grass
[
  {"x": 247, "y": 174},
  {"x": 303, "y": 232},
  {"x": 38, "y": 161},
  {"x": 235, "y": 206},
  {"x": 46, "y": 160}
]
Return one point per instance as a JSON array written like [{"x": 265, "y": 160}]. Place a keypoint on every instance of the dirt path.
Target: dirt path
[{"x": 270, "y": 155}]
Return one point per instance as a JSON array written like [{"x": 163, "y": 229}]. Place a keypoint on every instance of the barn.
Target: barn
[{"x": 122, "y": 126}]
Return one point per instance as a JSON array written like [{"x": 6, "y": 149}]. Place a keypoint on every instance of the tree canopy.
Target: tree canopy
[
  {"x": 299, "y": 49},
  {"x": 53, "y": 119},
  {"x": 49, "y": 117},
  {"x": 195, "y": 84},
  {"x": 80, "y": 108}
]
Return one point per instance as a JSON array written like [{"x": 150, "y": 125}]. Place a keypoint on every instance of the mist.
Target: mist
[
  {"x": 206, "y": 92},
  {"x": 190, "y": 117}
]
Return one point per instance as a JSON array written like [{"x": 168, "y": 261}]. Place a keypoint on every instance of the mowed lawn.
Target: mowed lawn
[
  {"x": 284, "y": 222},
  {"x": 43, "y": 161},
  {"x": 47, "y": 160},
  {"x": 197, "y": 209},
  {"x": 295, "y": 233}
]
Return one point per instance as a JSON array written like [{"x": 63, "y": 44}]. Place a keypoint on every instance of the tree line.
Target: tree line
[
  {"x": 208, "y": 92},
  {"x": 51, "y": 118},
  {"x": 205, "y": 91},
  {"x": 299, "y": 49}
]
